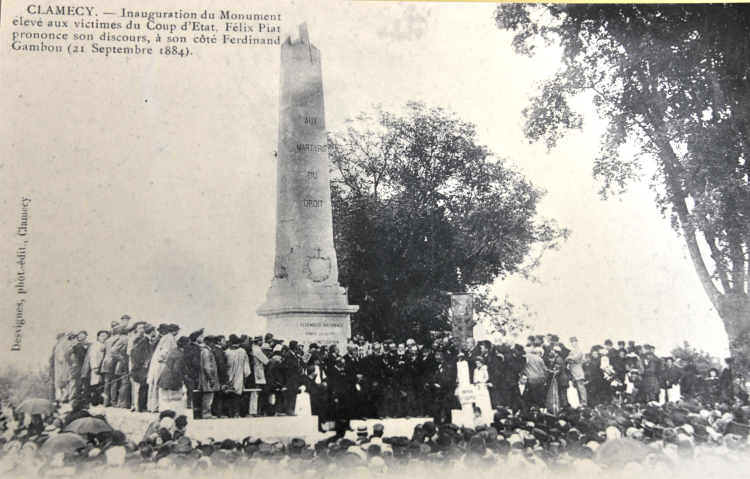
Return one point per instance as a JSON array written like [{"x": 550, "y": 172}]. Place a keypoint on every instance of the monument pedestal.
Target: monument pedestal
[{"x": 323, "y": 327}]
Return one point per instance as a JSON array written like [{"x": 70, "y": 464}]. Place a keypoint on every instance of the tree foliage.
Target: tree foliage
[
  {"x": 17, "y": 384},
  {"x": 673, "y": 81},
  {"x": 420, "y": 210},
  {"x": 698, "y": 358}
]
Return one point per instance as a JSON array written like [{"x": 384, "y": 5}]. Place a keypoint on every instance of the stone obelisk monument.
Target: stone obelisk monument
[{"x": 305, "y": 301}]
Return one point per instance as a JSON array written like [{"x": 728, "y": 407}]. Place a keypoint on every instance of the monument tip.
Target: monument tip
[{"x": 304, "y": 37}]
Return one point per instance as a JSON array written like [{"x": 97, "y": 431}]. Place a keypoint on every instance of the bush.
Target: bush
[
  {"x": 19, "y": 384},
  {"x": 700, "y": 359}
]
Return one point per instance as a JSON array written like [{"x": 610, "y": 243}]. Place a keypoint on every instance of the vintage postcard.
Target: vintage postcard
[{"x": 333, "y": 238}]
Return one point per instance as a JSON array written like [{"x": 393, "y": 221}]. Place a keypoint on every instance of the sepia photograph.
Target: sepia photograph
[{"x": 333, "y": 239}]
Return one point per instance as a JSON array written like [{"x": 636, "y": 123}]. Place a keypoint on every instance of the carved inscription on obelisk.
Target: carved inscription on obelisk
[{"x": 305, "y": 301}]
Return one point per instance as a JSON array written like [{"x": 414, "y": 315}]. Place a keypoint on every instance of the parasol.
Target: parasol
[
  {"x": 86, "y": 425},
  {"x": 65, "y": 442},
  {"x": 618, "y": 452},
  {"x": 36, "y": 406}
]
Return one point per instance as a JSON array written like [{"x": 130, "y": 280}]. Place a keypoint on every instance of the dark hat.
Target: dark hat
[
  {"x": 293, "y": 344},
  {"x": 297, "y": 444},
  {"x": 163, "y": 328},
  {"x": 183, "y": 341},
  {"x": 196, "y": 334},
  {"x": 120, "y": 330},
  {"x": 233, "y": 339},
  {"x": 258, "y": 338},
  {"x": 125, "y": 317},
  {"x": 174, "y": 327},
  {"x": 313, "y": 346},
  {"x": 149, "y": 329},
  {"x": 227, "y": 444},
  {"x": 102, "y": 331}
]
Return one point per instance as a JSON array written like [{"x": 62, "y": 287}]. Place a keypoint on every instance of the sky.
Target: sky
[{"x": 152, "y": 179}]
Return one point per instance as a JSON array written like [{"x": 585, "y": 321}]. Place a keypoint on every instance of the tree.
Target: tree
[
  {"x": 671, "y": 80},
  {"x": 421, "y": 210}
]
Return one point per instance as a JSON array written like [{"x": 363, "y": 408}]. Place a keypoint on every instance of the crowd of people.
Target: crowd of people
[
  {"x": 149, "y": 368},
  {"x": 542, "y": 406},
  {"x": 672, "y": 440}
]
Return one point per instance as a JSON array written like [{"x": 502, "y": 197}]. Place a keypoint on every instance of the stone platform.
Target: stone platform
[{"x": 279, "y": 428}]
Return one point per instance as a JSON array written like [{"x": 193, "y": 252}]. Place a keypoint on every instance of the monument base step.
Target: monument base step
[{"x": 277, "y": 428}]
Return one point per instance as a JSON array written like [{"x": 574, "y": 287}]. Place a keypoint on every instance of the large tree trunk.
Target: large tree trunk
[{"x": 734, "y": 310}]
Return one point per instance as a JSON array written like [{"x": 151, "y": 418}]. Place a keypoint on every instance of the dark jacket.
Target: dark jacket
[
  {"x": 221, "y": 363},
  {"x": 140, "y": 358},
  {"x": 192, "y": 364},
  {"x": 175, "y": 370}
]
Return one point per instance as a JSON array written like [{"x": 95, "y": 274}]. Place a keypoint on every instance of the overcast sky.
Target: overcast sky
[{"x": 153, "y": 179}]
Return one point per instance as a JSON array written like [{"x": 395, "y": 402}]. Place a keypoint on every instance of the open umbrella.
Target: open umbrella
[
  {"x": 65, "y": 442},
  {"x": 36, "y": 406},
  {"x": 618, "y": 452},
  {"x": 86, "y": 425}
]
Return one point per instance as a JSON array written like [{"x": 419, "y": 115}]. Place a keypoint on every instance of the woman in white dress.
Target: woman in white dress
[{"x": 481, "y": 385}]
